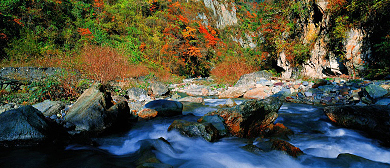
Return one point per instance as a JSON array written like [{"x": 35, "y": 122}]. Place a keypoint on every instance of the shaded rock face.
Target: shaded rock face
[
  {"x": 374, "y": 119},
  {"x": 250, "y": 118},
  {"x": 195, "y": 129},
  {"x": 92, "y": 114},
  {"x": 49, "y": 108},
  {"x": 166, "y": 108},
  {"x": 217, "y": 122},
  {"x": 26, "y": 126}
]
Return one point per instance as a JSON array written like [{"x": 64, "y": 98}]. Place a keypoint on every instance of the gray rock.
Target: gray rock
[
  {"x": 375, "y": 91},
  {"x": 195, "y": 129},
  {"x": 230, "y": 103},
  {"x": 305, "y": 83},
  {"x": 25, "y": 126},
  {"x": 159, "y": 88},
  {"x": 192, "y": 99},
  {"x": 91, "y": 115},
  {"x": 308, "y": 94},
  {"x": 384, "y": 101},
  {"x": 217, "y": 122},
  {"x": 264, "y": 82},
  {"x": 49, "y": 108},
  {"x": 166, "y": 108},
  {"x": 135, "y": 93},
  {"x": 252, "y": 78}
]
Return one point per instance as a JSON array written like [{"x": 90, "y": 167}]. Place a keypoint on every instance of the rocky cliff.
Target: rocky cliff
[{"x": 322, "y": 61}]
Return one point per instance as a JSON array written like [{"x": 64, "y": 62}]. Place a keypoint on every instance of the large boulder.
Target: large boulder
[
  {"x": 195, "y": 129},
  {"x": 91, "y": 114},
  {"x": 27, "y": 126},
  {"x": 250, "y": 118},
  {"x": 374, "y": 119},
  {"x": 166, "y": 108},
  {"x": 252, "y": 78},
  {"x": 49, "y": 108}
]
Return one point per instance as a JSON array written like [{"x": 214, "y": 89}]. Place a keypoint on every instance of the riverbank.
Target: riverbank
[{"x": 108, "y": 109}]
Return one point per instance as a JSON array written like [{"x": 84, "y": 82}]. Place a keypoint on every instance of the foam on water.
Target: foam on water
[{"x": 327, "y": 141}]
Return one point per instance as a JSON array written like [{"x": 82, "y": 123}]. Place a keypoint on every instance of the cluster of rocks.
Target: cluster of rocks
[
  {"x": 260, "y": 85},
  {"x": 96, "y": 112}
]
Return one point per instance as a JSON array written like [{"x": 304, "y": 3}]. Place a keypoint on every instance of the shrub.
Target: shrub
[
  {"x": 231, "y": 70},
  {"x": 103, "y": 64}
]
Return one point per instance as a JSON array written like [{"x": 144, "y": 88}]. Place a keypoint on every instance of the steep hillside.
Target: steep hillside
[{"x": 223, "y": 38}]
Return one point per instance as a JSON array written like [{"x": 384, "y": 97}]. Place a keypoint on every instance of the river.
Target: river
[{"x": 324, "y": 145}]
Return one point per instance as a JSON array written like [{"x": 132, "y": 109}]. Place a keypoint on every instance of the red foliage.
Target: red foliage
[
  {"x": 3, "y": 36},
  {"x": 85, "y": 32},
  {"x": 17, "y": 21}
]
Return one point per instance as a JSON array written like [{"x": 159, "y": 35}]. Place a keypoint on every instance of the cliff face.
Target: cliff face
[{"x": 322, "y": 61}]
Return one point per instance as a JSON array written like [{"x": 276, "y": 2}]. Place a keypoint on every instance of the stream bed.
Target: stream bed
[{"x": 323, "y": 144}]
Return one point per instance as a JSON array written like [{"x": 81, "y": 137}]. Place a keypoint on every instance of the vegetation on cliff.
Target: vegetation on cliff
[{"x": 180, "y": 37}]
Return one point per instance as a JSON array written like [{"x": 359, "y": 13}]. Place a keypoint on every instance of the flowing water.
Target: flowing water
[{"x": 324, "y": 145}]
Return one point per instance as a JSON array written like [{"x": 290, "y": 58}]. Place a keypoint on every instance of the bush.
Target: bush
[
  {"x": 103, "y": 64},
  {"x": 231, "y": 70}
]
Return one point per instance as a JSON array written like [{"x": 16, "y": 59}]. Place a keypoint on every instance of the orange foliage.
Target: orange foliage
[
  {"x": 183, "y": 19},
  {"x": 231, "y": 70},
  {"x": 103, "y": 63}
]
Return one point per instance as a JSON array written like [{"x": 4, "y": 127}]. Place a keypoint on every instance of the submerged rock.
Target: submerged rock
[
  {"x": 373, "y": 119},
  {"x": 146, "y": 156},
  {"x": 250, "y": 118},
  {"x": 195, "y": 129},
  {"x": 286, "y": 147},
  {"x": 166, "y": 108},
  {"x": 26, "y": 126}
]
